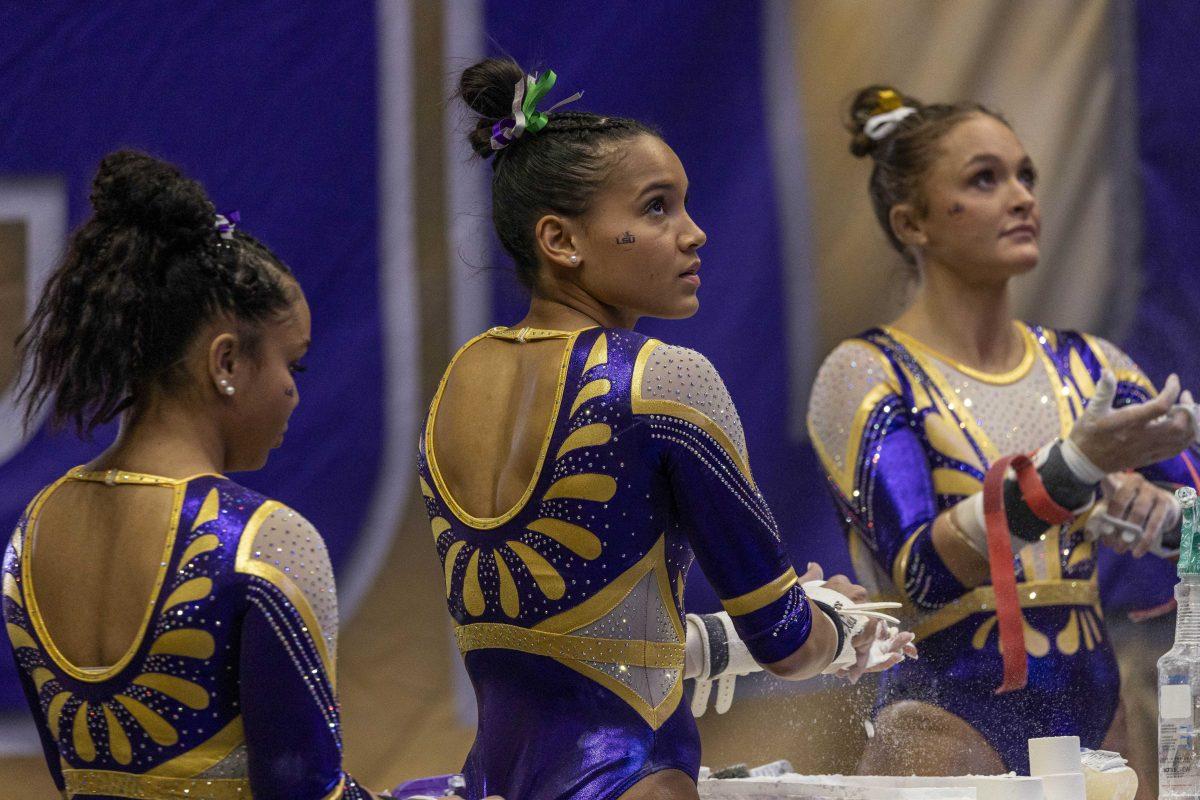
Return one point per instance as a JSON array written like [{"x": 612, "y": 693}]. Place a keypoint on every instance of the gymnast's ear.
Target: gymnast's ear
[
  {"x": 557, "y": 241},
  {"x": 908, "y": 225}
]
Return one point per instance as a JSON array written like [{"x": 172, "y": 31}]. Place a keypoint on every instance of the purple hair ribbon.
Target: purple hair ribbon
[{"x": 226, "y": 224}]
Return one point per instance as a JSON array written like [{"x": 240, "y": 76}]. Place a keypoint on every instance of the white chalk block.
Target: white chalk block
[
  {"x": 1054, "y": 755},
  {"x": 1064, "y": 786},
  {"x": 1114, "y": 784},
  {"x": 875, "y": 787}
]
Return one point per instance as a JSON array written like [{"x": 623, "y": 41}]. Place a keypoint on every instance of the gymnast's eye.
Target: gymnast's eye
[{"x": 984, "y": 179}]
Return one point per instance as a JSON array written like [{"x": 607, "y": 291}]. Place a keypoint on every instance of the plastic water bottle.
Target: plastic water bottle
[{"x": 1179, "y": 672}]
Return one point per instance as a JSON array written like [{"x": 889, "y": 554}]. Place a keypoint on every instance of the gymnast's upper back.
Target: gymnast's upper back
[
  {"x": 99, "y": 555},
  {"x": 509, "y": 392}
]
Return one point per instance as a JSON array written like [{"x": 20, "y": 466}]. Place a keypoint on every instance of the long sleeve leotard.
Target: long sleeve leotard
[
  {"x": 227, "y": 691},
  {"x": 568, "y": 607},
  {"x": 904, "y": 434}
]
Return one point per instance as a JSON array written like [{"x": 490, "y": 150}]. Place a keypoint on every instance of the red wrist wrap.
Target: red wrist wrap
[
  {"x": 1004, "y": 579},
  {"x": 1034, "y": 493}
]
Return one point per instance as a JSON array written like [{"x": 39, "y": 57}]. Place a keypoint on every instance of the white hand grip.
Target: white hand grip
[
  {"x": 700, "y": 697},
  {"x": 855, "y": 614},
  {"x": 888, "y": 618},
  {"x": 725, "y": 693}
]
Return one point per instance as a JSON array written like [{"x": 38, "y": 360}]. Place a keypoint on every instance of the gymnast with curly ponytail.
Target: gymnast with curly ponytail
[
  {"x": 174, "y": 631},
  {"x": 139, "y": 280}
]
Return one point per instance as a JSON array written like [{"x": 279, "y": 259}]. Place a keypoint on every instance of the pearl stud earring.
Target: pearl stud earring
[
  {"x": 225, "y": 387},
  {"x": 574, "y": 259}
]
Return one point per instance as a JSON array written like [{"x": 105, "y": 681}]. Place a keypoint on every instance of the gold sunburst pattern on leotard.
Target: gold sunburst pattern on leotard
[
  {"x": 110, "y": 727},
  {"x": 531, "y": 553},
  {"x": 130, "y": 712},
  {"x": 1082, "y": 628}
]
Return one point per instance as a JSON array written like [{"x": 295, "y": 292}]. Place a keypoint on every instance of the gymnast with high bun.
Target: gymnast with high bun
[
  {"x": 978, "y": 461},
  {"x": 572, "y": 469}
]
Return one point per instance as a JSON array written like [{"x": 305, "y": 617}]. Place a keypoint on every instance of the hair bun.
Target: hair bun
[
  {"x": 868, "y": 102},
  {"x": 135, "y": 189},
  {"x": 487, "y": 88}
]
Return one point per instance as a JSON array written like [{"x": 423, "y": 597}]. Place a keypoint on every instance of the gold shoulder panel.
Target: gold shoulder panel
[{"x": 670, "y": 408}]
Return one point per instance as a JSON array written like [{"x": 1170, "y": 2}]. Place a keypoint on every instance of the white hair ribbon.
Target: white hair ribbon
[{"x": 879, "y": 126}]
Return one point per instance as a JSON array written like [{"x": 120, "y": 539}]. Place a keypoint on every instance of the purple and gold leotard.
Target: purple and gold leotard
[
  {"x": 227, "y": 691},
  {"x": 569, "y": 605},
  {"x": 904, "y": 434}
]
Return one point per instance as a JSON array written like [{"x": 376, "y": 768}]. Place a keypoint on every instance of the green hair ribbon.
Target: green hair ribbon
[{"x": 525, "y": 117}]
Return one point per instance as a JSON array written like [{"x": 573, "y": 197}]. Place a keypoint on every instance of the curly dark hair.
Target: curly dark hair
[
  {"x": 555, "y": 171},
  {"x": 138, "y": 280},
  {"x": 902, "y": 156}
]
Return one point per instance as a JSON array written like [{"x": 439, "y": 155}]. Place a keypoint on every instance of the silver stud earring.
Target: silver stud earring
[{"x": 574, "y": 259}]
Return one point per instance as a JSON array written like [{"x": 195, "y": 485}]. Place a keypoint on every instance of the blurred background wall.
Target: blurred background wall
[{"x": 328, "y": 126}]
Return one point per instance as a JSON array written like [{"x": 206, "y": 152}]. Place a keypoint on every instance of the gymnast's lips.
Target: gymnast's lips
[
  {"x": 692, "y": 273},
  {"x": 1016, "y": 230}
]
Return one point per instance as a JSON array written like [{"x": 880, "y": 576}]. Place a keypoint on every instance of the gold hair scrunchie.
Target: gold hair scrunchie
[{"x": 888, "y": 100}]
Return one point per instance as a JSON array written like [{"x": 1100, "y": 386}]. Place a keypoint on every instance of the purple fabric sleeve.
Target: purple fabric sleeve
[
  {"x": 293, "y": 736},
  {"x": 735, "y": 539},
  {"x": 894, "y": 502}
]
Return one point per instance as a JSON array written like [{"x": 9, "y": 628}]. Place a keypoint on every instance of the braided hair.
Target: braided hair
[
  {"x": 554, "y": 171},
  {"x": 903, "y": 155},
  {"x": 138, "y": 280}
]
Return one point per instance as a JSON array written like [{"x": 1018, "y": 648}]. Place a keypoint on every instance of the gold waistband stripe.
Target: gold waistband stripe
[
  {"x": 631, "y": 652},
  {"x": 125, "y": 784},
  {"x": 1032, "y": 594}
]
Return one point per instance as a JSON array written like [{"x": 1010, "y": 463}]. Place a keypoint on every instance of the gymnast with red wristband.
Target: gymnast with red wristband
[{"x": 966, "y": 451}]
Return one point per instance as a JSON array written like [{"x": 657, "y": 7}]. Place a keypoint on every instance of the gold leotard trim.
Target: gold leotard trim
[
  {"x": 520, "y": 335},
  {"x": 203, "y": 756},
  {"x": 631, "y": 652},
  {"x": 1032, "y": 594},
  {"x": 761, "y": 597},
  {"x": 1011, "y": 376},
  {"x": 555, "y": 638},
  {"x": 111, "y": 477},
  {"x": 125, "y": 784}
]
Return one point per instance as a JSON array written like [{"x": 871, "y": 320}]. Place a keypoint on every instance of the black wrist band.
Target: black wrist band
[
  {"x": 838, "y": 623},
  {"x": 718, "y": 644},
  {"x": 1062, "y": 486}
]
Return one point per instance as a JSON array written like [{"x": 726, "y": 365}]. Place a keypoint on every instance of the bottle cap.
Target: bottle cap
[{"x": 1189, "y": 557}]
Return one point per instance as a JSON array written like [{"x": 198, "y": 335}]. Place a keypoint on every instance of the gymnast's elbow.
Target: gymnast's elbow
[{"x": 810, "y": 658}]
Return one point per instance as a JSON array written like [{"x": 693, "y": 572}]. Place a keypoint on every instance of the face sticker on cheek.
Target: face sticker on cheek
[
  {"x": 956, "y": 209},
  {"x": 626, "y": 239},
  {"x": 290, "y": 391}
]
